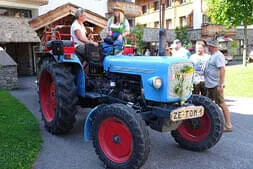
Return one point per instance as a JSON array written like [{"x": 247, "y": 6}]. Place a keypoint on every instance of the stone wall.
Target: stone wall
[{"x": 8, "y": 77}]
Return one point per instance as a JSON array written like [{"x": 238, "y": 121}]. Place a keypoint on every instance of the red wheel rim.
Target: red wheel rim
[
  {"x": 47, "y": 96},
  {"x": 115, "y": 140},
  {"x": 196, "y": 134}
]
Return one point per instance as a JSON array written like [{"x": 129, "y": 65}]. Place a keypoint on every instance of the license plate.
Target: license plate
[{"x": 189, "y": 112}]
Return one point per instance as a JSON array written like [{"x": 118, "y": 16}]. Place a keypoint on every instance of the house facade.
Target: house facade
[
  {"x": 193, "y": 15},
  {"x": 96, "y": 6},
  {"x": 17, "y": 36}
]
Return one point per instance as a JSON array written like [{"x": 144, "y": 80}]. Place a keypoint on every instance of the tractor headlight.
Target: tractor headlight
[{"x": 157, "y": 82}]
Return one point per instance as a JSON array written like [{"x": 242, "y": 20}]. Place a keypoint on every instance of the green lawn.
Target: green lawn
[
  {"x": 20, "y": 138},
  {"x": 239, "y": 81}
]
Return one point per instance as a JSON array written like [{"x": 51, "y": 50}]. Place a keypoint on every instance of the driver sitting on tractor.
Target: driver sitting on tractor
[
  {"x": 117, "y": 28},
  {"x": 78, "y": 33}
]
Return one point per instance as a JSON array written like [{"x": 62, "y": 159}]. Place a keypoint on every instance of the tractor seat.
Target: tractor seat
[
  {"x": 65, "y": 43},
  {"x": 92, "y": 54}
]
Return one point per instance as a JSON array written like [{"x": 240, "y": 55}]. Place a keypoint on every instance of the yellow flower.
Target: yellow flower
[{"x": 191, "y": 70}]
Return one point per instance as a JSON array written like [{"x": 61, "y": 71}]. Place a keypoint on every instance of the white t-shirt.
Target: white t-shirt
[
  {"x": 199, "y": 65},
  {"x": 182, "y": 52},
  {"x": 76, "y": 26}
]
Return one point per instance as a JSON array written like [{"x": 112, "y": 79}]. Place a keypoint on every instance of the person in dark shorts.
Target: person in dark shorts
[
  {"x": 199, "y": 60},
  {"x": 215, "y": 79}
]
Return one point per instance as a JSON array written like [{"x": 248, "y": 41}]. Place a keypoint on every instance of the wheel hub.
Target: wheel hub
[
  {"x": 116, "y": 139},
  {"x": 195, "y": 123}
]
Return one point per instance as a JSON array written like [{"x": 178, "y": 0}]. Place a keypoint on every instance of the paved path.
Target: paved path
[{"x": 233, "y": 151}]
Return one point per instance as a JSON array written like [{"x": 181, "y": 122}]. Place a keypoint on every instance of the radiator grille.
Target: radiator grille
[{"x": 180, "y": 80}]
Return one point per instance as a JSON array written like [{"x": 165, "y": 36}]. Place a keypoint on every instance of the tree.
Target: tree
[
  {"x": 138, "y": 31},
  {"x": 232, "y": 13},
  {"x": 181, "y": 34}
]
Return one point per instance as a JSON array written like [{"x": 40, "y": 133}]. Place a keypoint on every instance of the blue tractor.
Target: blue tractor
[{"x": 126, "y": 94}]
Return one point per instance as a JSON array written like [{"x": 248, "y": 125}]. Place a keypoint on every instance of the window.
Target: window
[
  {"x": 157, "y": 6},
  {"x": 206, "y": 19},
  {"x": 183, "y": 21},
  {"x": 169, "y": 3},
  {"x": 144, "y": 9},
  {"x": 15, "y": 12},
  {"x": 168, "y": 24},
  {"x": 156, "y": 25},
  {"x": 189, "y": 21},
  {"x": 183, "y": 1}
]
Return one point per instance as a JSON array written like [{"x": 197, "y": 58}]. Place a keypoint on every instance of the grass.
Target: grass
[
  {"x": 20, "y": 138},
  {"x": 239, "y": 81}
]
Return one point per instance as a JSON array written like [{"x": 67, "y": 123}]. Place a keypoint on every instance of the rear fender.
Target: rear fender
[
  {"x": 80, "y": 78},
  {"x": 47, "y": 56},
  {"x": 88, "y": 122}
]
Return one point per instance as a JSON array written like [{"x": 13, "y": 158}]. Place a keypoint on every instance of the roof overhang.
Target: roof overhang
[
  {"x": 16, "y": 30},
  {"x": 6, "y": 60},
  {"x": 63, "y": 11}
]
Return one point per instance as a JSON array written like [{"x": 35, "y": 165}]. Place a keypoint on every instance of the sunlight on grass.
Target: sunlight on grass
[{"x": 239, "y": 81}]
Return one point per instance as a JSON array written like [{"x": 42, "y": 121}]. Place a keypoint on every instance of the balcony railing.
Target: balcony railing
[
  {"x": 38, "y": 2},
  {"x": 210, "y": 30}
]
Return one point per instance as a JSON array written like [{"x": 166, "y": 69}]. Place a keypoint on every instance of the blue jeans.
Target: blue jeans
[{"x": 117, "y": 45}]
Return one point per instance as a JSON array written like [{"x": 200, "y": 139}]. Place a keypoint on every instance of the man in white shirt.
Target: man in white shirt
[
  {"x": 180, "y": 50},
  {"x": 78, "y": 33},
  {"x": 199, "y": 60}
]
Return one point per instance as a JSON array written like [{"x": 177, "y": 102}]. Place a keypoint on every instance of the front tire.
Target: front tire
[
  {"x": 58, "y": 96},
  {"x": 201, "y": 133},
  {"x": 120, "y": 137}
]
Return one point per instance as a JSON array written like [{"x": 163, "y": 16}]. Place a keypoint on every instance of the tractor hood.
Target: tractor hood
[
  {"x": 139, "y": 64},
  {"x": 148, "y": 68}
]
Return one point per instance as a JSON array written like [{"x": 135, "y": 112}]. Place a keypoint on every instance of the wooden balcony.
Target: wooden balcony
[
  {"x": 36, "y": 2},
  {"x": 210, "y": 30},
  {"x": 131, "y": 9}
]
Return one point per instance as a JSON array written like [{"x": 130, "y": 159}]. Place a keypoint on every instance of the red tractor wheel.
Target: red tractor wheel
[
  {"x": 113, "y": 136},
  {"x": 196, "y": 130},
  {"x": 58, "y": 96},
  {"x": 120, "y": 137},
  {"x": 201, "y": 133},
  {"x": 47, "y": 96}
]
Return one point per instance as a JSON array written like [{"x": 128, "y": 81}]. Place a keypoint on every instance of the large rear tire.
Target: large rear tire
[
  {"x": 57, "y": 96},
  {"x": 120, "y": 137},
  {"x": 201, "y": 133}
]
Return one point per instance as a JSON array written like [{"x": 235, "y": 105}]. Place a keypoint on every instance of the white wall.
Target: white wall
[
  {"x": 97, "y": 6},
  {"x": 197, "y": 14}
]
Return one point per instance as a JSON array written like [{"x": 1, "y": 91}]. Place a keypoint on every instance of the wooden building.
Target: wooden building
[
  {"x": 65, "y": 15},
  {"x": 17, "y": 36}
]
